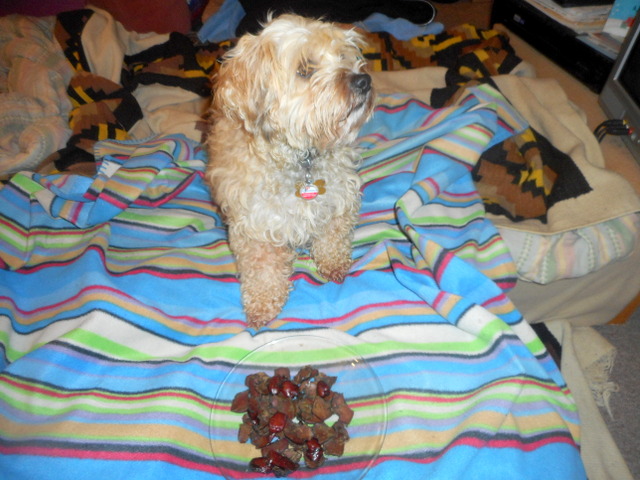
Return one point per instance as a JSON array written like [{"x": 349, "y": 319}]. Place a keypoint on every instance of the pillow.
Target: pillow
[
  {"x": 39, "y": 9},
  {"x": 142, "y": 16}
]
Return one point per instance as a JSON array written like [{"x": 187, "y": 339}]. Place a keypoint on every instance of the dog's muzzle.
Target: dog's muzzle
[{"x": 361, "y": 83}]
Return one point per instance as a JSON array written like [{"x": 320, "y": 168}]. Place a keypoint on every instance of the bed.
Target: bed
[{"x": 121, "y": 329}]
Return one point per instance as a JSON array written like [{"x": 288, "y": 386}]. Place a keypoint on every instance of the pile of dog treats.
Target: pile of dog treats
[{"x": 285, "y": 418}]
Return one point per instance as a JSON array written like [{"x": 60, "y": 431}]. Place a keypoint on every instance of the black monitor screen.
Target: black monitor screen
[
  {"x": 620, "y": 95},
  {"x": 630, "y": 76}
]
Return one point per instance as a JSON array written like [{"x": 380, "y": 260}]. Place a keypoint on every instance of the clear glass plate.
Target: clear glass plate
[{"x": 356, "y": 380}]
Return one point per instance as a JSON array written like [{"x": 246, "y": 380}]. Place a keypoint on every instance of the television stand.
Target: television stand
[{"x": 554, "y": 40}]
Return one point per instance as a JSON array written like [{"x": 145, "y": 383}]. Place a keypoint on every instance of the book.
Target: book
[
  {"x": 621, "y": 17},
  {"x": 603, "y": 42},
  {"x": 585, "y": 19}
]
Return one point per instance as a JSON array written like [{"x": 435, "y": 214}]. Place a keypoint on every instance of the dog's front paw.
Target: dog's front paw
[
  {"x": 331, "y": 251},
  {"x": 260, "y": 310},
  {"x": 334, "y": 262},
  {"x": 264, "y": 281},
  {"x": 334, "y": 270},
  {"x": 257, "y": 321}
]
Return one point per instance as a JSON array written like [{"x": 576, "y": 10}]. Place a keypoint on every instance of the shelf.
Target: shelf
[{"x": 554, "y": 40}]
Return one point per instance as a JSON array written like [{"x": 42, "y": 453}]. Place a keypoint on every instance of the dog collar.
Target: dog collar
[{"x": 309, "y": 189}]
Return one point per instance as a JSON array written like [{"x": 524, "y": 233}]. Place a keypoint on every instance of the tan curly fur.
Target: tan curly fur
[{"x": 287, "y": 104}]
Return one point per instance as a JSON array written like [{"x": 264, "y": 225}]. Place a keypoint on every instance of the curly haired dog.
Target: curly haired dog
[{"x": 287, "y": 104}]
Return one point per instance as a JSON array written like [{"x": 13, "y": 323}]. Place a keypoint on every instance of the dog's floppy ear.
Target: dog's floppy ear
[{"x": 244, "y": 82}]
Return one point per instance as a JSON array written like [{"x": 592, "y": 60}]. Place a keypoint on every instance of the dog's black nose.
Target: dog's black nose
[{"x": 361, "y": 83}]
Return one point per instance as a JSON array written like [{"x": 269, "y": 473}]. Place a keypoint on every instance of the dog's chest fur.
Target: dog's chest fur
[{"x": 283, "y": 217}]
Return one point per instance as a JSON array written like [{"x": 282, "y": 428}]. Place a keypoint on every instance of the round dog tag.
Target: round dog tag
[{"x": 308, "y": 191}]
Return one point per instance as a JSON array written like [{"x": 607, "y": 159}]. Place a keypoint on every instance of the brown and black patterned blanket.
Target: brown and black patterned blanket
[{"x": 521, "y": 178}]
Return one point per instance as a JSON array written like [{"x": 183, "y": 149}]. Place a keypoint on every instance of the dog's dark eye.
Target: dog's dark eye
[{"x": 306, "y": 70}]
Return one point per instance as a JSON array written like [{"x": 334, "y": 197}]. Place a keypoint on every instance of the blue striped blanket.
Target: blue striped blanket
[{"x": 123, "y": 342}]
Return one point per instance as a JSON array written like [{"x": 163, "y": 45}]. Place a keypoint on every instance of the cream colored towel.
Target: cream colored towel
[
  {"x": 544, "y": 104},
  {"x": 582, "y": 351}
]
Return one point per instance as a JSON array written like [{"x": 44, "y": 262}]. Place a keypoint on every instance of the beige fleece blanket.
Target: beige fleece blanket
[
  {"x": 34, "y": 74},
  {"x": 33, "y": 101}
]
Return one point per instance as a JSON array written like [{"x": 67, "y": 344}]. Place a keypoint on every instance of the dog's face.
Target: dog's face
[{"x": 299, "y": 81}]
